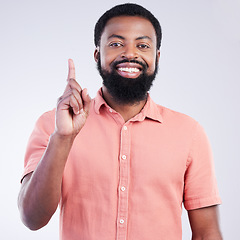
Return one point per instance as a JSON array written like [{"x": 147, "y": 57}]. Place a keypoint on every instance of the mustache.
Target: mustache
[{"x": 144, "y": 65}]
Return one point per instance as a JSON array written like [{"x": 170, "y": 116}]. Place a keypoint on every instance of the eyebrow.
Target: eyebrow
[
  {"x": 144, "y": 37},
  {"x": 123, "y": 38},
  {"x": 116, "y": 36}
]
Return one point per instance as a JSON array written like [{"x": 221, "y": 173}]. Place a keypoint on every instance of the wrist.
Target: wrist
[{"x": 62, "y": 139}]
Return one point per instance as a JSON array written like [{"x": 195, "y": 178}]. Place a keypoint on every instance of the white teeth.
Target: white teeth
[{"x": 130, "y": 70}]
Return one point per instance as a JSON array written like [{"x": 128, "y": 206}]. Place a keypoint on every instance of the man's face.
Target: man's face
[{"x": 127, "y": 58}]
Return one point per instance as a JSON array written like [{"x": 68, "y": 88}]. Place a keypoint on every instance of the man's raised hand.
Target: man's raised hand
[{"x": 72, "y": 107}]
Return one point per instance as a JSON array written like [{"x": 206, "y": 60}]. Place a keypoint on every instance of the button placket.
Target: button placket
[{"x": 123, "y": 183}]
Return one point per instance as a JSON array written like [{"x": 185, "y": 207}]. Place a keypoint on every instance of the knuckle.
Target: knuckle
[
  {"x": 74, "y": 84},
  {"x": 72, "y": 98},
  {"x": 71, "y": 82},
  {"x": 60, "y": 99}
]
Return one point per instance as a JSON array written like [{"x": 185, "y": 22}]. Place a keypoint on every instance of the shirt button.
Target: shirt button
[
  {"x": 110, "y": 110},
  {"x": 124, "y": 157},
  {"x": 121, "y": 221},
  {"x": 125, "y": 127},
  {"x": 123, "y": 189}
]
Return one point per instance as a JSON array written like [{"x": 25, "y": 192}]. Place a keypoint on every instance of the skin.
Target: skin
[
  {"x": 204, "y": 223},
  {"x": 127, "y": 38},
  {"x": 123, "y": 38}
]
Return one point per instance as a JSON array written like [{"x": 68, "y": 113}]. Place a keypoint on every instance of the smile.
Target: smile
[{"x": 129, "y": 70}]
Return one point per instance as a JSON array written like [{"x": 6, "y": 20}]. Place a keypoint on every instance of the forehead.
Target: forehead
[{"x": 129, "y": 27}]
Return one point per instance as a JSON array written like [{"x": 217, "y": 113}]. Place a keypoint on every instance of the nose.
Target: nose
[{"x": 130, "y": 52}]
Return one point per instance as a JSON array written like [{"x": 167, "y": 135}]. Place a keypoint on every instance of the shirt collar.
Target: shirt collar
[
  {"x": 99, "y": 101},
  {"x": 150, "y": 110}
]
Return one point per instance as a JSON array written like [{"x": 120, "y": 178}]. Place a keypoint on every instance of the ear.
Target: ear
[
  {"x": 96, "y": 54},
  {"x": 158, "y": 55}
]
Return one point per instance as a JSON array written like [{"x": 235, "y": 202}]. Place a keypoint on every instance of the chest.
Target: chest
[{"x": 147, "y": 155}]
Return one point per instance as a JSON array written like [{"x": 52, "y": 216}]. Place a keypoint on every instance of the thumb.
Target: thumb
[{"x": 86, "y": 101}]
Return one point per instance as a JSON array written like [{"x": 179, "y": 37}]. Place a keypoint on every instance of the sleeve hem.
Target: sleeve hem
[
  {"x": 31, "y": 166},
  {"x": 202, "y": 202}
]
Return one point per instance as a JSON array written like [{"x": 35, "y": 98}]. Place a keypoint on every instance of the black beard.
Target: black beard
[{"x": 127, "y": 90}]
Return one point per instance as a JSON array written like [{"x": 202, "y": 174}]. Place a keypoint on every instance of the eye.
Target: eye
[
  {"x": 143, "y": 46},
  {"x": 115, "y": 44}
]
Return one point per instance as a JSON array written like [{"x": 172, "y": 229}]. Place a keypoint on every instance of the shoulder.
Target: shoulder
[
  {"x": 172, "y": 117},
  {"x": 46, "y": 122}
]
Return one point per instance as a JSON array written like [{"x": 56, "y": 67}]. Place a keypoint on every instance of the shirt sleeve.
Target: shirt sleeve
[
  {"x": 200, "y": 188},
  {"x": 38, "y": 141}
]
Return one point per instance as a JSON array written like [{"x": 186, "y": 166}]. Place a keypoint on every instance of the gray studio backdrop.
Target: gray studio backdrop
[{"x": 199, "y": 75}]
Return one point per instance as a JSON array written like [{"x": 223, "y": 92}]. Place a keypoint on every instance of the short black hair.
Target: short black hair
[{"x": 127, "y": 9}]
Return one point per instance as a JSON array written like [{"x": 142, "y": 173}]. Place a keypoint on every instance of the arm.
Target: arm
[
  {"x": 41, "y": 190},
  {"x": 204, "y": 223}
]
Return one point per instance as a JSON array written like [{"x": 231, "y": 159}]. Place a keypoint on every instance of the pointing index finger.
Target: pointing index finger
[
  {"x": 71, "y": 69},
  {"x": 72, "y": 83}
]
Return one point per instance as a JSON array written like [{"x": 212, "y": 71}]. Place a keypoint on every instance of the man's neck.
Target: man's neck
[{"x": 127, "y": 111}]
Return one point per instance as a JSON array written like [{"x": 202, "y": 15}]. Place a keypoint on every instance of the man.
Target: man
[{"x": 119, "y": 165}]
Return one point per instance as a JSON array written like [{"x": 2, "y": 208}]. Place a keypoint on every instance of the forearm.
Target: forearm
[
  {"x": 39, "y": 197},
  {"x": 204, "y": 223},
  {"x": 213, "y": 236}
]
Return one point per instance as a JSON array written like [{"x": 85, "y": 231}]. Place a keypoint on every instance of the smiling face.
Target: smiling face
[{"x": 128, "y": 52}]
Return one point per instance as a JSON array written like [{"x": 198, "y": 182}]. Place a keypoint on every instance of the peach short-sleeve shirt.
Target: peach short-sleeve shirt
[{"x": 128, "y": 180}]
